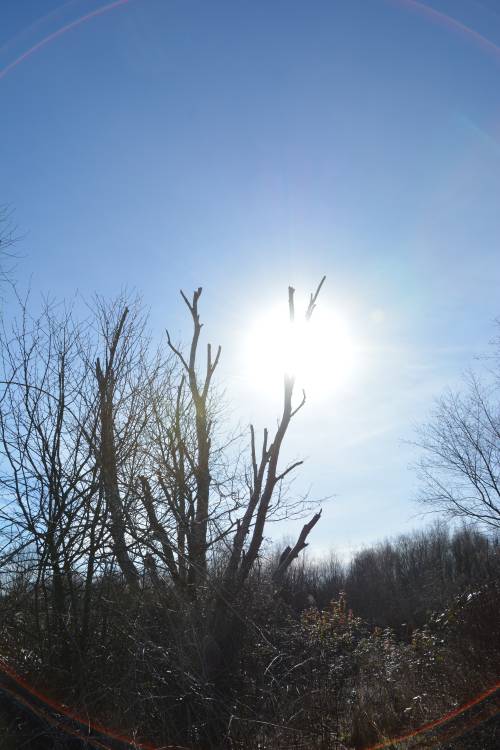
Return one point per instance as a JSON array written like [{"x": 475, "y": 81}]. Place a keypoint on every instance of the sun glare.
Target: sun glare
[{"x": 319, "y": 353}]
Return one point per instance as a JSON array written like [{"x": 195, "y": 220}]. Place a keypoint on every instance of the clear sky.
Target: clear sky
[{"x": 243, "y": 146}]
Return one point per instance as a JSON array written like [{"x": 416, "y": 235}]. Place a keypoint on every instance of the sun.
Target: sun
[{"x": 319, "y": 353}]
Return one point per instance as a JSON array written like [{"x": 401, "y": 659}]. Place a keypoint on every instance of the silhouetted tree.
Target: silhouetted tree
[{"x": 460, "y": 466}]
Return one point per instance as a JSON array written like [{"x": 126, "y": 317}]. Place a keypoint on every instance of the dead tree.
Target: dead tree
[
  {"x": 107, "y": 455},
  {"x": 290, "y": 554},
  {"x": 249, "y": 535},
  {"x": 184, "y": 514},
  {"x": 265, "y": 477},
  {"x": 194, "y": 531}
]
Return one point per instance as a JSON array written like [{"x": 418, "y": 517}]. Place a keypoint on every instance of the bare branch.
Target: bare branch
[
  {"x": 301, "y": 543},
  {"x": 313, "y": 299}
]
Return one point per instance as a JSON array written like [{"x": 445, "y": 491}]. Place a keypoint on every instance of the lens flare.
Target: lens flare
[
  {"x": 454, "y": 714},
  {"x": 58, "y": 715},
  {"x": 443, "y": 19},
  {"x": 59, "y": 32},
  {"x": 26, "y": 695}
]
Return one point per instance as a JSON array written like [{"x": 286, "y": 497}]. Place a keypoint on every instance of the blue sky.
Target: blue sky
[{"x": 243, "y": 146}]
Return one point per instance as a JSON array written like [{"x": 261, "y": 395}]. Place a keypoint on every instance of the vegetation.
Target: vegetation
[
  {"x": 137, "y": 586},
  {"x": 306, "y": 675}
]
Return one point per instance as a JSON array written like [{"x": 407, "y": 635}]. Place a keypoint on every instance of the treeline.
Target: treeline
[
  {"x": 399, "y": 583},
  {"x": 314, "y": 669}
]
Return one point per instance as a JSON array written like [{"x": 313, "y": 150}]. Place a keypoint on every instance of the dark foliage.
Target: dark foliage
[{"x": 305, "y": 676}]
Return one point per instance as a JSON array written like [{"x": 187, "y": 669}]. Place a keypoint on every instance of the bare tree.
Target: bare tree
[
  {"x": 188, "y": 506},
  {"x": 460, "y": 467},
  {"x": 115, "y": 358},
  {"x": 48, "y": 478},
  {"x": 223, "y": 641},
  {"x": 118, "y": 477},
  {"x": 72, "y": 415},
  {"x": 200, "y": 461},
  {"x": 264, "y": 478},
  {"x": 185, "y": 486}
]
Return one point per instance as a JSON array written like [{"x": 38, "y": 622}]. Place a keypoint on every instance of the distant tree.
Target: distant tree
[
  {"x": 460, "y": 466},
  {"x": 398, "y": 583}
]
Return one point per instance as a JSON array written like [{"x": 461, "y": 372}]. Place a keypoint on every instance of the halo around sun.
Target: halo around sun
[{"x": 319, "y": 353}]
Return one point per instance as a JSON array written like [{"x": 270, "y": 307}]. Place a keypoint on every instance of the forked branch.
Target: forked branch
[{"x": 289, "y": 555}]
